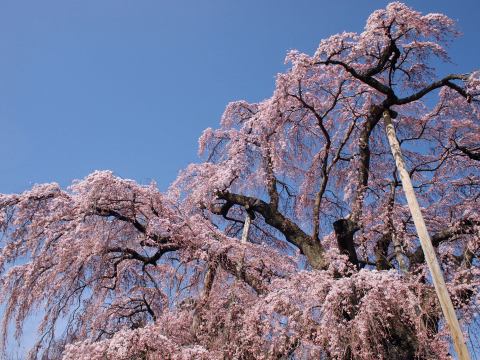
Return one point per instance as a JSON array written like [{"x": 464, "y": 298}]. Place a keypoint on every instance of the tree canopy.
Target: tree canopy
[{"x": 332, "y": 268}]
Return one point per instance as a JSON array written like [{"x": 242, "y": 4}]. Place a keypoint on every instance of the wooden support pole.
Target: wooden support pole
[
  {"x": 397, "y": 247},
  {"x": 246, "y": 228},
  {"x": 428, "y": 250}
]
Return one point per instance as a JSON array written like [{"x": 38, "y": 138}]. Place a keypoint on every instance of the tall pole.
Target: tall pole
[
  {"x": 430, "y": 257},
  {"x": 246, "y": 228}
]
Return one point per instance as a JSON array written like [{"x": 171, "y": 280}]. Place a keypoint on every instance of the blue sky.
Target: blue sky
[{"x": 130, "y": 85}]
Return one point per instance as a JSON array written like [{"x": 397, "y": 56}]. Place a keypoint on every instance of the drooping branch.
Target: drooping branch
[
  {"x": 326, "y": 150},
  {"x": 131, "y": 220},
  {"x": 164, "y": 246}
]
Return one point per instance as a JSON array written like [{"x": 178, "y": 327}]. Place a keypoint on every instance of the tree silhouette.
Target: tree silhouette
[{"x": 332, "y": 268}]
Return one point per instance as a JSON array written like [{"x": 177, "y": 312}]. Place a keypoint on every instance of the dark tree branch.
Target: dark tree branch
[
  {"x": 152, "y": 260},
  {"x": 446, "y": 81},
  {"x": 369, "y": 80},
  {"x": 313, "y": 250},
  {"x": 469, "y": 153},
  {"x": 463, "y": 227}
]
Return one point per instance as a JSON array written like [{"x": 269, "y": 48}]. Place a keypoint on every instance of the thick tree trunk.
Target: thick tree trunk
[{"x": 344, "y": 231}]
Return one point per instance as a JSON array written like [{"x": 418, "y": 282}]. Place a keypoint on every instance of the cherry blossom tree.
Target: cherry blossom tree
[{"x": 332, "y": 268}]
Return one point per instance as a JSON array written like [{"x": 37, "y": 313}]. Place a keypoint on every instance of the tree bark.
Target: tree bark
[{"x": 344, "y": 231}]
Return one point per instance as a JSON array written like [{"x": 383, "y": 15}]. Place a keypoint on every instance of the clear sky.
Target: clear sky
[{"x": 130, "y": 85}]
